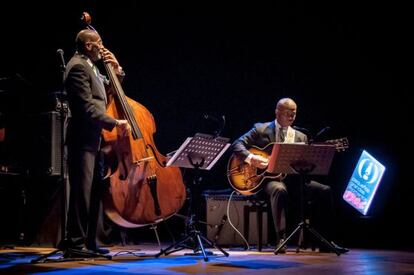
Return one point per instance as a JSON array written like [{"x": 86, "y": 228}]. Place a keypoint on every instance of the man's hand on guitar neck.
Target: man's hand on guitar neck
[{"x": 257, "y": 161}]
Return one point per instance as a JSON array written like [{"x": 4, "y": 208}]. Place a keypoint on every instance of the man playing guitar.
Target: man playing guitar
[{"x": 247, "y": 170}]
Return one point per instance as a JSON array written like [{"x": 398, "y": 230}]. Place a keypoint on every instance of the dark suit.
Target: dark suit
[
  {"x": 87, "y": 102},
  {"x": 260, "y": 136}
]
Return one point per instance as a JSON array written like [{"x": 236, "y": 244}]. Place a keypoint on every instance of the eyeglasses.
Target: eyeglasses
[
  {"x": 289, "y": 113},
  {"x": 98, "y": 43}
]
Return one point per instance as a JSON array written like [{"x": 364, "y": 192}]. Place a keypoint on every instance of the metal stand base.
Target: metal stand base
[
  {"x": 69, "y": 255},
  {"x": 198, "y": 238},
  {"x": 306, "y": 226}
]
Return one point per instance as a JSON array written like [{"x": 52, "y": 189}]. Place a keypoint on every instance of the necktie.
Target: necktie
[
  {"x": 281, "y": 134},
  {"x": 100, "y": 80},
  {"x": 95, "y": 70}
]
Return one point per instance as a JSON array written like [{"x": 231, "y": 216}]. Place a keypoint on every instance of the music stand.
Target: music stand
[
  {"x": 199, "y": 152},
  {"x": 304, "y": 160}
]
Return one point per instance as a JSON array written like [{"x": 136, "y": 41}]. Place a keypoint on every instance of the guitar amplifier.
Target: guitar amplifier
[
  {"x": 46, "y": 152},
  {"x": 218, "y": 227}
]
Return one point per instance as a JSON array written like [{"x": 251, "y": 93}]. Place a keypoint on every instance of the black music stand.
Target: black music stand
[
  {"x": 199, "y": 152},
  {"x": 304, "y": 160}
]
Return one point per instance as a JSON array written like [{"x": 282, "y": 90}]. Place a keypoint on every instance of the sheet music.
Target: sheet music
[
  {"x": 285, "y": 154},
  {"x": 200, "y": 147}
]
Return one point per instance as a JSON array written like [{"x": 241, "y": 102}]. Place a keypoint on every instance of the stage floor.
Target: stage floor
[{"x": 140, "y": 260}]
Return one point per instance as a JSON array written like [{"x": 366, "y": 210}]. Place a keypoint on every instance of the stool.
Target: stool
[{"x": 258, "y": 206}]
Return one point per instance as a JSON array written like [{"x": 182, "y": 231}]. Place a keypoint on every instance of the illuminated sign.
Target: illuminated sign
[{"x": 364, "y": 182}]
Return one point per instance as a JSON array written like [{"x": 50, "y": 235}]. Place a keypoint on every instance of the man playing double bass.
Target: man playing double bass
[{"x": 87, "y": 96}]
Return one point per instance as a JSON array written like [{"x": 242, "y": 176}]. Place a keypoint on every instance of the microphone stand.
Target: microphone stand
[
  {"x": 63, "y": 110},
  {"x": 319, "y": 134}
]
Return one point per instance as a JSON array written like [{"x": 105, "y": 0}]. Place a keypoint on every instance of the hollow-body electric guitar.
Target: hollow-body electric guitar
[{"x": 247, "y": 179}]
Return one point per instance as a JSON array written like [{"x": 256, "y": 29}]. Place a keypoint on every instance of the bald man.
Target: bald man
[
  {"x": 87, "y": 89},
  {"x": 280, "y": 130}
]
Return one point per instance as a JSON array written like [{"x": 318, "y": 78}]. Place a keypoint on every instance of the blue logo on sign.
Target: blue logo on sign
[{"x": 368, "y": 171}]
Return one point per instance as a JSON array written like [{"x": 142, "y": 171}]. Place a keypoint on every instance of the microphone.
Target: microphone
[
  {"x": 60, "y": 52},
  {"x": 219, "y": 121},
  {"x": 214, "y": 118},
  {"x": 222, "y": 124},
  {"x": 320, "y": 133},
  {"x": 327, "y": 128}
]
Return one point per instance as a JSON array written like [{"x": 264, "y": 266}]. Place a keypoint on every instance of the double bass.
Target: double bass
[{"x": 142, "y": 190}]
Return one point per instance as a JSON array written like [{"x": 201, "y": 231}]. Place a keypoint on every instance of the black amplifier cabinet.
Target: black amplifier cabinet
[
  {"x": 45, "y": 144},
  {"x": 243, "y": 216}
]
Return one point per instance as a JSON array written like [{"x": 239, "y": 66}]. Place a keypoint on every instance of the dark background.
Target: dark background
[{"x": 344, "y": 63}]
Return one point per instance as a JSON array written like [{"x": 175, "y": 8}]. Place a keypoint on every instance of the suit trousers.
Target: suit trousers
[{"x": 85, "y": 170}]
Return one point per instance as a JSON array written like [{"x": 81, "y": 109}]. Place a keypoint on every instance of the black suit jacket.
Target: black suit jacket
[
  {"x": 86, "y": 97},
  {"x": 260, "y": 136}
]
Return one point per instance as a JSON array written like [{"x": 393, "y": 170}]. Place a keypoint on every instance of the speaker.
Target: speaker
[
  {"x": 218, "y": 226},
  {"x": 12, "y": 200},
  {"x": 46, "y": 152}
]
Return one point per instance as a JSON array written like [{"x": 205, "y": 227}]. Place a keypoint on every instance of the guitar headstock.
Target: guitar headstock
[{"x": 341, "y": 144}]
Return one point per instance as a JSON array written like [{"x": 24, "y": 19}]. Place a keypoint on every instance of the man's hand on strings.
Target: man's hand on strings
[
  {"x": 259, "y": 161},
  {"x": 123, "y": 127},
  {"x": 109, "y": 57}
]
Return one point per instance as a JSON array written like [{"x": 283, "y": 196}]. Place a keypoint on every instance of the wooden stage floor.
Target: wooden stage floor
[{"x": 139, "y": 260}]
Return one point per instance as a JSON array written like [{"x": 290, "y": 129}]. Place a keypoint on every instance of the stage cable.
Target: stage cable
[{"x": 231, "y": 224}]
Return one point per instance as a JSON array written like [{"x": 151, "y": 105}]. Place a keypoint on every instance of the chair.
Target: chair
[{"x": 259, "y": 206}]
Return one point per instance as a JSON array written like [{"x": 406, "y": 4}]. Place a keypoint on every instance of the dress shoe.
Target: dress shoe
[
  {"x": 340, "y": 249},
  {"x": 68, "y": 244},
  {"x": 99, "y": 250},
  {"x": 85, "y": 253},
  {"x": 283, "y": 249},
  {"x": 79, "y": 253}
]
